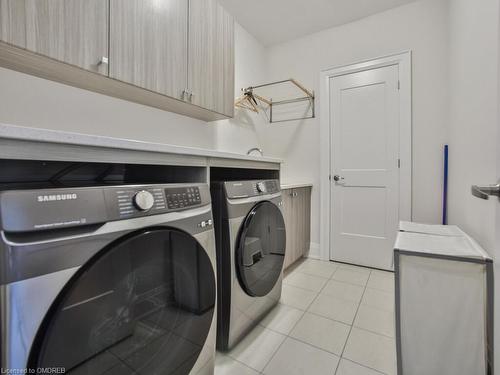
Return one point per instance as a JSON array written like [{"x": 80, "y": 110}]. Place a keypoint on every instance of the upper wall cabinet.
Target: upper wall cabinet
[
  {"x": 148, "y": 44},
  {"x": 72, "y": 31},
  {"x": 177, "y": 55},
  {"x": 211, "y": 56}
]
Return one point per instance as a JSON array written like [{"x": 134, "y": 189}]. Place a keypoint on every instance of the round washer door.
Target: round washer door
[
  {"x": 143, "y": 305},
  {"x": 261, "y": 249}
]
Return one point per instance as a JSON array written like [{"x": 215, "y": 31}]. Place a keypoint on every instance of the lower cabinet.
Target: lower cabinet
[{"x": 297, "y": 212}]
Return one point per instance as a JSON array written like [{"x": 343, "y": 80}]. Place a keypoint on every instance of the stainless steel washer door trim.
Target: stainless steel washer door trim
[{"x": 24, "y": 305}]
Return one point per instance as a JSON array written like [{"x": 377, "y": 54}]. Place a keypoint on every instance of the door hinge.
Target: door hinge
[
  {"x": 399, "y": 163},
  {"x": 399, "y": 85}
]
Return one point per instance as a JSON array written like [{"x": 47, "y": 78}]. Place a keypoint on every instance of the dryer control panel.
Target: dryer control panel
[{"x": 251, "y": 188}]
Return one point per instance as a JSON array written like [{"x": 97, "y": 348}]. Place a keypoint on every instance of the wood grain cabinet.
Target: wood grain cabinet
[
  {"x": 148, "y": 44},
  {"x": 151, "y": 51},
  {"x": 211, "y": 56},
  {"x": 71, "y": 31},
  {"x": 297, "y": 214}
]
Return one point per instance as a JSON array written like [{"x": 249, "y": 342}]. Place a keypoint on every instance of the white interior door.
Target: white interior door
[{"x": 364, "y": 128}]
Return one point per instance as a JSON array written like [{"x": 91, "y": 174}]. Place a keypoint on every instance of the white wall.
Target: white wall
[
  {"x": 419, "y": 26},
  {"x": 473, "y": 114},
  {"x": 31, "y": 101},
  {"x": 474, "y": 126}
]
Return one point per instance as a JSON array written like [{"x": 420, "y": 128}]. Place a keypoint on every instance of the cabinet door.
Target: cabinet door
[
  {"x": 299, "y": 220},
  {"x": 287, "y": 196},
  {"x": 297, "y": 211},
  {"x": 306, "y": 243},
  {"x": 148, "y": 44},
  {"x": 211, "y": 56},
  {"x": 72, "y": 31}
]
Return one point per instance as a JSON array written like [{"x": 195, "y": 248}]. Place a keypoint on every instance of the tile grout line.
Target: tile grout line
[
  {"x": 314, "y": 291},
  {"x": 288, "y": 335},
  {"x": 336, "y": 297},
  {"x": 329, "y": 318},
  {"x": 254, "y": 369},
  {"x": 313, "y": 346},
  {"x": 352, "y": 325},
  {"x": 280, "y": 345},
  {"x": 241, "y": 363},
  {"x": 347, "y": 282},
  {"x": 365, "y": 366},
  {"x": 359, "y": 303},
  {"x": 306, "y": 310}
]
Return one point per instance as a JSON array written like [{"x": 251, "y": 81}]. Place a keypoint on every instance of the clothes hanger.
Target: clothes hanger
[{"x": 247, "y": 101}]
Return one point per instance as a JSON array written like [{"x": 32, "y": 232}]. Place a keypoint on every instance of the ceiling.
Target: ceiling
[{"x": 276, "y": 21}]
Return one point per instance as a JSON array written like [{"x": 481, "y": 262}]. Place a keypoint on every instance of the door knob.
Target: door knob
[
  {"x": 338, "y": 178},
  {"x": 484, "y": 192}
]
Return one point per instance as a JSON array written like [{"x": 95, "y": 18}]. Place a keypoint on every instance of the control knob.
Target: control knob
[
  {"x": 261, "y": 187},
  {"x": 143, "y": 200}
]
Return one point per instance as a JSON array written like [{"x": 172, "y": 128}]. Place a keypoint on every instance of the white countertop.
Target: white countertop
[
  {"x": 295, "y": 185},
  {"x": 62, "y": 137}
]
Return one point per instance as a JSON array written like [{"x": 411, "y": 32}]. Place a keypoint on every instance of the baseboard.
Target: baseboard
[{"x": 314, "y": 251}]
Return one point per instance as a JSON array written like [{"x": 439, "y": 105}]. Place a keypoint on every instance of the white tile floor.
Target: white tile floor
[{"x": 333, "y": 318}]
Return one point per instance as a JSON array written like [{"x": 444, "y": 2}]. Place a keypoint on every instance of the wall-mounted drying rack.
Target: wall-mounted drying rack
[{"x": 293, "y": 98}]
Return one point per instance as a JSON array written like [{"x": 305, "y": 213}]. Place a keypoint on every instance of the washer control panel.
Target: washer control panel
[
  {"x": 43, "y": 209},
  {"x": 132, "y": 200},
  {"x": 143, "y": 200},
  {"x": 183, "y": 197},
  {"x": 155, "y": 199}
]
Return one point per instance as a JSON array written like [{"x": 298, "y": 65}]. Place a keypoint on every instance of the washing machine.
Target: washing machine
[
  {"x": 108, "y": 280},
  {"x": 250, "y": 241}
]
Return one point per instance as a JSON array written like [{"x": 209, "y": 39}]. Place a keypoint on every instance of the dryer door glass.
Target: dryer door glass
[
  {"x": 141, "y": 306},
  {"x": 261, "y": 249}
]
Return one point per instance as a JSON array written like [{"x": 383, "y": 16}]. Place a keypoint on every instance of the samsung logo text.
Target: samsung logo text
[{"x": 56, "y": 197}]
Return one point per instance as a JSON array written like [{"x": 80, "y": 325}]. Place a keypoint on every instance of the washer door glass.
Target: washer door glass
[
  {"x": 261, "y": 249},
  {"x": 142, "y": 306}
]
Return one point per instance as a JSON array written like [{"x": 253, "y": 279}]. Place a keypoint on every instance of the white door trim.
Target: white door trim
[{"x": 403, "y": 60}]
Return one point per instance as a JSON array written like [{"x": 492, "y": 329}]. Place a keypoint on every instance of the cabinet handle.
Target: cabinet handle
[
  {"x": 187, "y": 95},
  {"x": 103, "y": 61}
]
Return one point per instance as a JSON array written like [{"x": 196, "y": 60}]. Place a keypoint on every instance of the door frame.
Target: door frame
[{"x": 404, "y": 62}]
